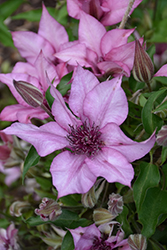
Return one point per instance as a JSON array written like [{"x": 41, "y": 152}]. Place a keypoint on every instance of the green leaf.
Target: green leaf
[
  {"x": 152, "y": 207},
  {"x": 164, "y": 176},
  {"x": 151, "y": 121},
  {"x": 161, "y": 107},
  {"x": 122, "y": 219},
  {"x": 31, "y": 160},
  {"x": 64, "y": 84},
  {"x": 81, "y": 222},
  {"x": 163, "y": 155},
  {"x": 8, "y": 7},
  {"x": 49, "y": 97},
  {"x": 134, "y": 111},
  {"x": 68, "y": 243},
  {"x": 32, "y": 15},
  {"x": 149, "y": 177},
  {"x": 66, "y": 219},
  {"x": 5, "y": 35},
  {"x": 45, "y": 184}
]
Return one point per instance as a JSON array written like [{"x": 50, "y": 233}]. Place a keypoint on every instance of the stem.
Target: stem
[
  {"x": 47, "y": 111},
  {"x": 149, "y": 86},
  {"x": 105, "y": 192},
  {"x": 126, "y": 16}
]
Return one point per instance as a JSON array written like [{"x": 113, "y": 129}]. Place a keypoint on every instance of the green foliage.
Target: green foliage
[
  {"x": 64, "y": 84},
  {"x": 68, "y": 243}
]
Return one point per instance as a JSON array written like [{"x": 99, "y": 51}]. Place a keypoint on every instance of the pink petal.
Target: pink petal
[
  {"x": 42, "y": 65},
  {"x": 114, "y": 38},
  {"x": 74, "y": 8},
  {"x": 30, "y": 44},
  {"x": 12, "y": 174},
  {"x": 114, "y": 138},
  {"x": 162, "y": 71},
  {"x": 91, "y": 32},
  {"x": 51, "y": 30},
  {"x": 112, "y": 165},
  {"x": 22, "y": 113},
  {"x": 117, "y": 10},
  {"x": 25, "y": 68},
  {"x": 46, "y": 139},
  {"x": 113, "y": 68},
  {"x": 83, "y": 82},
  {"x": 106, "y": 103},
  {"x": 74, "y": 54},
  {"x": 70, "y": 174}
]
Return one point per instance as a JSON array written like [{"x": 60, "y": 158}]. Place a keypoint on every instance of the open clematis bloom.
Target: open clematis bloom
[
  {"x": 92, "y": 237},
  {"x": 107, "y": 53},
  {"x": 90, "y": 138},
  {"x": 108, "y": 12}
]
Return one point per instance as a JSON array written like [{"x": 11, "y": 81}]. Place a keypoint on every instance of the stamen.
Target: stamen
[{"x": 85, "y": 139}]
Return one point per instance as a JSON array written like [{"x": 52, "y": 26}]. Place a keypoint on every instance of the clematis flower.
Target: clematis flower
[
  {"x": 8, "y": 238},
  {"x": 107, "y": 53},
  {"x": 107, "y": 12},
  {"x": 95, "y": 144},
  {"x": 91, "y": 237}
]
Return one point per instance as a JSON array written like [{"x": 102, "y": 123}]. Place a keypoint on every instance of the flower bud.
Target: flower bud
[
  {"x": 29, "y": 93},
  {"x": 101, "y": 216},
  {"x": 143, "y": 68},
  {"x": 115, "y": 204},
  {"x": 48, "y": 209},
  {"x": 162, "y": 136},
  {"x": 137, "y": 242},
  {"x": 18, "y": 207},
  {"x": 90, "y": 198}
]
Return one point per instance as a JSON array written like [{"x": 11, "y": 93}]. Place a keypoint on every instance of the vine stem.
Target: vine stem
[{"x": 126, "y": 16}]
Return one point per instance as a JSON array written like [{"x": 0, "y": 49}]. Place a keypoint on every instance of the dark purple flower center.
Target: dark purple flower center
[
  {"x": 100, "y": 244},
  {"x": 85, "y": 139}
]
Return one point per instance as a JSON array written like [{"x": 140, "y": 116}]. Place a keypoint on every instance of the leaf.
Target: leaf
[
  {"x": 152, "y": 207},
  {"x": 161, "y": 107},
  {"x": 163, "y": 155},
  {"x": 134, "y": 111},
  {"x": 164, "y": 170},
  {"x": 68, "y": 243},
  {"x": 81, "y": 222},
  {"x": 32, "y": 15},
  {"x": 8, "y": 7},
  {"x": 64, "y": 84},
  {"x": 31, "y": 160},
  {"x": 45, "y": 184},
  {"x": 149, "y": 177},
  {"x": 149, "y": 120},
  {"x": 66, "y": 219},
  {"x": 122, "y": 219},
  {"x": 5, "y": 36},
  {"x": 49, "y": 97}
]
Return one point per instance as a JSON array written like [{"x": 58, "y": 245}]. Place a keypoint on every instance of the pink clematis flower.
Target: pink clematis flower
[
  {"x": 91, "y": 238},
  {"x": 36, "y": 75},
  {"x": 8, "y": 238},
  {"x": 95, "y": 144},
  {"x": 105, "y": 52},
  {"x": 108, "y": 12}
]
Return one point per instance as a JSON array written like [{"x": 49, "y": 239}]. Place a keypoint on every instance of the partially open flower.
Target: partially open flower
[
  {"x": 137, "y": 242},
  {"x": 143, "y": 68},
  {"x": 48, "y": 210},
  {"x": 115, "y": 204}
]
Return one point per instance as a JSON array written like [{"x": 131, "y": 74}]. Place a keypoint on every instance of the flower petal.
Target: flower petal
[
  {"x": 51, "y": 30},
  {"x": 162, "y": 71},
  {"x": 106, "y": 103},
  {"x": 46, "y": 139},
  {"x": 83, "y": 82},
  {"x": 30, "y": 44},
  {"x": 112, "y": 165},
  {"x": 70, "y": 174},
  {"x": 114, "y": 138}
]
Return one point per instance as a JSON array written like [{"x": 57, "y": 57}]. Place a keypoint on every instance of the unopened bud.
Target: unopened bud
[
  {"x": 48, "y": 209},
  {"x": 101, "y": 216},
  {"x": 143, "y": 68},
  {"x": 115, "y": 204},
  {"x": 18, "y": 207},
  {"x": 90, "y": 198},
  {"x": 162, "y": 136},
  {"x": 137, "y": 242},
  {"x": 29, "y": 93}
]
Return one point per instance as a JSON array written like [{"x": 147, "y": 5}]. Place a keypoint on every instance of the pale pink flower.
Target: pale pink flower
[
  {"x": 8, "y": 238},
  {"x": 108, "y": 12},
  {"x": 95, "y": 144},
  {"x": 91, "y": 238},
  {"x": 107, "y": 53}
]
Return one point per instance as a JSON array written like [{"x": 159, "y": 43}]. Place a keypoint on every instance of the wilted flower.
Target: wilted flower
[
  {"x": 115, "y": 204},
  {"x": 137, "y": 242},
  {"x": 18, "y": 207},
  {"x": 93, "y": 238},
  {"x": 143, "y": 68},
  {"x": 162, "y": 136},
  {"x": 90, "y": 198},
  {"x": 48, "y": 210},
  {"x": 96, "y": 145},
  {"x": 8, "y": 238}
]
